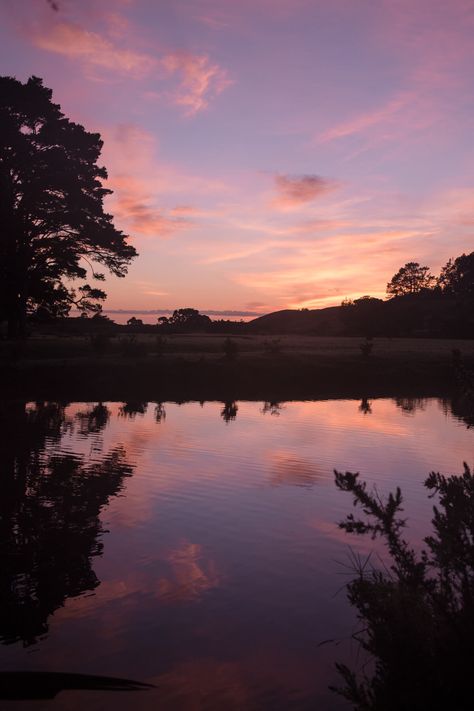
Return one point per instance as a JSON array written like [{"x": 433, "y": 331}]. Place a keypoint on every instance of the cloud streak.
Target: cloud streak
[
  {"x": 111, "y": 52},
  {"x": 94, "y": 50}
]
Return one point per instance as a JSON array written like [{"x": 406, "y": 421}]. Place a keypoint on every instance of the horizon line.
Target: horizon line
[{"x": 210, "y": 312}]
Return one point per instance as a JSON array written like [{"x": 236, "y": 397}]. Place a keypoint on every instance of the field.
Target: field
[
  {"x": 184, "y": 367},
  {"x": 192, "y": 346}
]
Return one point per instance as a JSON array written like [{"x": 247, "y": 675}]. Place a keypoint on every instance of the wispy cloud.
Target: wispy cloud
[
  {"x": 93, "y": 49},
  {"x": 115, "y": 49},
  {"x": 368, "y": 120},
  {"x": 148, "y": 193},
  {"x": 200, "y": 80},
  {"x": 135, "y": 208}
]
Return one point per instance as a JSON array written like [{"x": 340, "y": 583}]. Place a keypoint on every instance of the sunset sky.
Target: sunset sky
[{"x": 266, "y": 154}]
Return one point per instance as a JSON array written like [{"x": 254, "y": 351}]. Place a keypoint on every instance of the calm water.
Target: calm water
[{"x": 195, "y": 546}]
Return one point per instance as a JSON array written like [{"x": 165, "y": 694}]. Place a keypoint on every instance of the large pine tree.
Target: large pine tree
[{"x": 52, "y": 219}]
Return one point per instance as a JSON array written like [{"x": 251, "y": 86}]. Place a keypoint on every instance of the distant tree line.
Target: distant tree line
[{"x": 418, "y": 304}]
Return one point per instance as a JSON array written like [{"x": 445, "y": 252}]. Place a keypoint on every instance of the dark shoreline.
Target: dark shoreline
[{"x": 286, "y": 377}]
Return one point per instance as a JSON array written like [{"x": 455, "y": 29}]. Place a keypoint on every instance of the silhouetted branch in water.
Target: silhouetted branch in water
[
  {"x": 417, "y": 614},
  {"x": 47, "y": 685}
]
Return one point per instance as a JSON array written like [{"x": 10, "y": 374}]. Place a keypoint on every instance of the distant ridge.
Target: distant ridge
[{"x": 325, "y": 322}]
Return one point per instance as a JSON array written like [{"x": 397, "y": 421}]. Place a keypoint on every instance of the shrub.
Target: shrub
[{"x": 417, "y": 614}]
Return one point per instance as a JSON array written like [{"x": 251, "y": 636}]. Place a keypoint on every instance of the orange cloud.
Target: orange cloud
[{"x": 297, "y": 190}]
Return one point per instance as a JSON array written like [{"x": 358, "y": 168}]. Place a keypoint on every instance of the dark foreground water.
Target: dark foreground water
[{"x": 195, "y": 547}]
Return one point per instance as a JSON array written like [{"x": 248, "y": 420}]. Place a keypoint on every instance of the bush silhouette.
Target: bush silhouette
[{"x": 417, "y": 614}]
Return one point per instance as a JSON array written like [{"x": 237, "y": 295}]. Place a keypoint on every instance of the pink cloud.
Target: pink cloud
[
  {"x": 150, "y": 196},
  {"x": 134, "y": 207},
  {"x": 93, "y": 49},
  {"x": 368, "y": 120},
  {"x": 297, "y": 190},
  {"x": 200, "y": 80},
  {"x": 110, "y": 49}
]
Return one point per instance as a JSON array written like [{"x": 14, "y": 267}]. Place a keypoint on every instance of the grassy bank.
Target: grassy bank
[{"x": 196, "y": 367}]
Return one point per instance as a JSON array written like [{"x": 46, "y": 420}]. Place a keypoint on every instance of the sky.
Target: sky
[{"x": 266, "y": 154}]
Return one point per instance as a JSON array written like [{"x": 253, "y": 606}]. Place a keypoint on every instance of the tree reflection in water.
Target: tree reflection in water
[
  {"x": 229, "y": 411},
  {"x": 49, "y": 513}
]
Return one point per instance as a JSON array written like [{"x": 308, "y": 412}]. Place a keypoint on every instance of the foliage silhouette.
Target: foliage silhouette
[
  {"x": 49, "y": 514},
  {"x": 457, "y": 276},
  {"x": 365, "y": 406},
  {"x": 131, "y": 409},
  {"x": 51, "y": 208},
  {"x": 272, "y": 407},
  {"x": 229, "y": 411},
  {"x": 185, "y": 320},
  {"x": 417, "y": 615},
  {"x": 410, "y": 279},
  {"x": 135, "y": 322}
]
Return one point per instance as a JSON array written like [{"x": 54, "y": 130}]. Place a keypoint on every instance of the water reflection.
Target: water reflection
[
  {"x": 272, "y": 407},
  {"x": 132, "y": 409},
  {"x": 216, "y": 579},
  {"x": 229, "y": 411},
  {"x": 365, "y": 406},
  {"x": 93, "y": 419},
  {"x": 49, "y": 526},
  {"x": 410, "y": 405}
]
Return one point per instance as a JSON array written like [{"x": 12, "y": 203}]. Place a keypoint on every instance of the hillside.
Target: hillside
[{"x": 325, "y": 322}]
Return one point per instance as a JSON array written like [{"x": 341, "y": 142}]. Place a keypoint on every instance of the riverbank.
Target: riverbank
[{"x": 197, "y": 367}]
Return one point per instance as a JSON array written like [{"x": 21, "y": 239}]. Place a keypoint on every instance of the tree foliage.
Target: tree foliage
[
  {"x": 410, "y": 279},
  {"x": 457, "y": 277},
  {"x": 51, "y": 208},
  {"x": 185, "y": 320},
  {"x": 417, "y": 615}
]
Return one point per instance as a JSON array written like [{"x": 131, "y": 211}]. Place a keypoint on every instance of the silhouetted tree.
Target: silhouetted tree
[
  {"x": 133, "y": 321},
  {"x": 51, "y": 208},
  {"x": 417, "y": 615},
  {"x": 410, "y": 279},
  {"x": 363, "y": 316},
  {"x": 185, "y": 320},
  {"x": 457, "y": 277}
]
